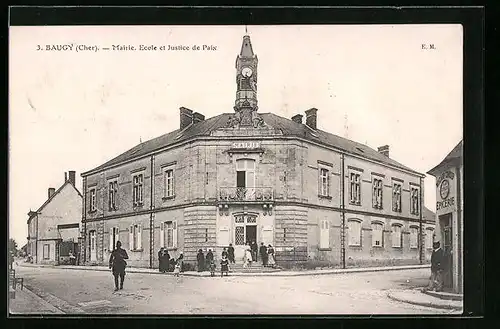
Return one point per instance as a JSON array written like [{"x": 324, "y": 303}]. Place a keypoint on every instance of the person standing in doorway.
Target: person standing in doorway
[
  {"x": 437, "y": 259},
  {"x": 117, "y": 263},
  {"x": 201, "y": 260},
  {"x": 253, "y": 247},
  {"x": 230, "y": 253},
  {"x": 161, "y": 265},
  {"x": 271, "y": 261},
  {"x": 263, "y": 254}
]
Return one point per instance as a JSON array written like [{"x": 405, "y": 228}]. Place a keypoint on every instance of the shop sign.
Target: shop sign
[{"x": 444, "y": 187}]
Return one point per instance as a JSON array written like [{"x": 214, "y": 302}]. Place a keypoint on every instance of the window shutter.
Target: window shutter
[
  {"x": 111, "y": 247},
  {"x": 162, "y": 234},
  {"x": 328, "y": 183},
  {"x": 139, "y": 236},
  {"x": 320, "y": 192},
  {"x": 131, "y": 237},
  {"x": 174, "y": 233}
]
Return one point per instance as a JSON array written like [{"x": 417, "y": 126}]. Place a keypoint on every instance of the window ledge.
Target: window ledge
[
  {"x": 378, "y": 247},
  {"x": 378, "y": 208},
  {"x": 355, "y": 203},
  {"x": 328, "y": 197},
  {"x": 92, "y": 211},
  {"x": 168, "y": 197},
  {"x": 137, "y": 250},
  {"x": 413, "y": 247},
  {"x": 395, "y": 247},
  {"x": 139, "y": 206},
  {"x": 355, "y": 245},
  {"x": 171, "y": 248},
  {"x": 325, "y": 249}
]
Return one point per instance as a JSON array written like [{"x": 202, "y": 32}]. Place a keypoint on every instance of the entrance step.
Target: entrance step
[{"x": 254, "y": 268}]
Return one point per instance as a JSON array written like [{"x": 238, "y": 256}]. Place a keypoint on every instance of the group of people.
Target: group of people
[
  {"x": 208, "y": 262},
  {"x": 266, "y": 254},
  {"x": 169, "y": 264}
]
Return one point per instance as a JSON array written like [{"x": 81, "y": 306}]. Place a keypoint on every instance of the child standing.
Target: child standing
[{"x": 224, "y": 266}]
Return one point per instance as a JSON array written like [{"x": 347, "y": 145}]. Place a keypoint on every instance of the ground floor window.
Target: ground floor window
[
  {"x": 114, "y": 236},
  {"x": 354, "y": 232},
  {"x": 377, "y": 234},
  {"x": 324, "y": 239},
  {"x": 413, "y": 237},
  {"x": 135, "y": 237},
  {"x": 46, "y": 251},
  {"x": 396, "y": 236},
  {"x": 245, "y": 229},
  {"x": 168, "y": 234},
  {"x": 429, "y": 238}
]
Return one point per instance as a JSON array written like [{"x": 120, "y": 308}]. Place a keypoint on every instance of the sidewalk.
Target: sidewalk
[
  {"x": 282, "y": 273},
  {"x": 417, "y": 297},
  {"x": 26, "y": 302}
]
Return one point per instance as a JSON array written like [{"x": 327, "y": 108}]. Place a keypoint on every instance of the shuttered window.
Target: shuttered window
[
  {"x": 377, "y": 234},
  {"x": 324, "y": 240}
]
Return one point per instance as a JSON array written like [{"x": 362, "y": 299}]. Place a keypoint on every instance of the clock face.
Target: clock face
[
  {"x": 247, "y": 72},
  {"x": 444, "y": 189}
]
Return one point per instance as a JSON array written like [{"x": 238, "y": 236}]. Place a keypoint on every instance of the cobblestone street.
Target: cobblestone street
[{"x": 77, "y": 291}]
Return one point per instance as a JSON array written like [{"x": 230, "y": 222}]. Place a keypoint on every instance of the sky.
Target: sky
[{"x": 74, "y": 110}]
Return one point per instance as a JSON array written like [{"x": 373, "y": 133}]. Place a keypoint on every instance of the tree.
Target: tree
[{"x": 13, "y": 246}]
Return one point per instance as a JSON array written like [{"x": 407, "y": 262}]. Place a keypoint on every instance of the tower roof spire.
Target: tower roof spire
[{"x": 246, "y": 47}]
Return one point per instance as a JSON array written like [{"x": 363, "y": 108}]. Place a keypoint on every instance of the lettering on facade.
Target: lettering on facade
[
  {"x": 246, "y": 145},
  {"x": 444, "y": 187}
]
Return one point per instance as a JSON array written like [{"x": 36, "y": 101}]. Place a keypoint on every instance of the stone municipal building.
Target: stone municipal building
[{"x": 248, "y": 175}]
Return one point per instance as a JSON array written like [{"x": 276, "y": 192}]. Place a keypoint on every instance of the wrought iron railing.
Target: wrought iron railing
[{"x": 264, "y": 194}]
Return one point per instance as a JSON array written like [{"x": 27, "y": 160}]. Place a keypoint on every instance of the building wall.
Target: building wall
[
  {"x": 51, "y": 259},
  {"x": 290, "y": 167}
]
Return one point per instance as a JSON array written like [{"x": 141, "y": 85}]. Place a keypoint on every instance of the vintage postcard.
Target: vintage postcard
[{"x": 236, "y": 169}]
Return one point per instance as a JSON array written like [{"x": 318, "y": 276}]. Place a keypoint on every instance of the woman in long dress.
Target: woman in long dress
[
  {"x": 247, "y": 258},
  {"x": 271, "y": 261}
]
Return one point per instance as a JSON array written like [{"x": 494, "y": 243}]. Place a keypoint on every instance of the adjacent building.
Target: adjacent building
[
  {"x": 54, "y": 229},
  {"x": 449, "y": 214},
  {"x": 248, "y": 175}
]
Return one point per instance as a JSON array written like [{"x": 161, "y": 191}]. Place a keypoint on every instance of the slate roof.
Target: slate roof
[
  {"x": 455, "y": 154},
  {"x": 32, "y": 214},
  {"x": 287, "y": 126}
]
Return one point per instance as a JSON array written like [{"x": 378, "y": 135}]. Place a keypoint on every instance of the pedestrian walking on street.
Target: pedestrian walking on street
[
  {"x": 437, "y": 259},
  {"x": 230, "y": 253},
  {"x": 201, "y": 260},
  {"x": 253, "y": 247},
  {"x": 271, "y": 261},
  {"x": 117, "y": 263},
  {"x": 263, "y": 254},
  {"x": 224, "y": 266}
]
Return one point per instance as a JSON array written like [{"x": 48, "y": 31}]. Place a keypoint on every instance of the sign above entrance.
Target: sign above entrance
[{"x": 246, "y": 145}]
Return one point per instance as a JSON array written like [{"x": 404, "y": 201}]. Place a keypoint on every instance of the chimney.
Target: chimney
[
  {"x": 297, "y": 118},
  {"x": 186, "y": 117},
  {"x": 384, "y": 150},
  {"x": 65, "y": 176},
  {"x": 72, "y": 177},
  {"x": 312, "y": 118},
  {"x": 51, "y": 191},
  {"x": 198, "y": 117}
]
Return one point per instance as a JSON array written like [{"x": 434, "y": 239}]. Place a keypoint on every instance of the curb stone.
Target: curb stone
[{"x": 425, "y": 304}]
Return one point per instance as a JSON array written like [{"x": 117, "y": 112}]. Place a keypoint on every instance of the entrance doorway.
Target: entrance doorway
[
  {"x": 245, "y": 231},
  {"x": 445, "y": 221}
]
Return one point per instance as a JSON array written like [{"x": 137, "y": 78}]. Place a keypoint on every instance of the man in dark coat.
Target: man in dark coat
[
  {"x": 253, "y": 248},
  {"x": 166, "y": 260},
  {"x": 437, "y": 260},
  {"x": 209, "y": 258},
  {"x": 230, "y": 253},
  {"x": 263, "y": 253},
  {"x": 117, "y": 263},
  {"x": 161, "y": 264},
  {"x": 201, "y": 260}
]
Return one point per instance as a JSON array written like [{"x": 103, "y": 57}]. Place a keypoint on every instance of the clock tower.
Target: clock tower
[{"x": 246, "y": 78}]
